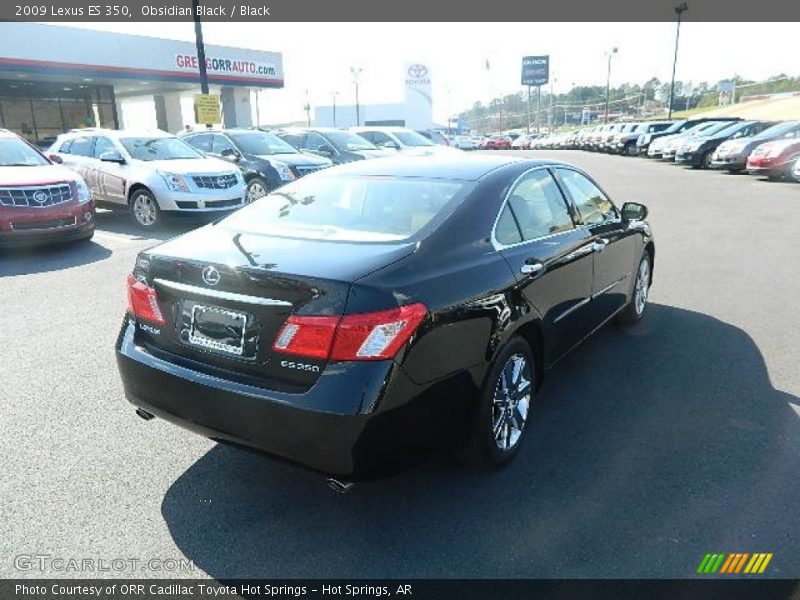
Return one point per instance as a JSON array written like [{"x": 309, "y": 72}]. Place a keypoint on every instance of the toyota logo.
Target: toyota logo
[
  {"x": 40, "y": 197},
  {"x": 417, "y": 71},
  {"x": 211, "y": 275}
]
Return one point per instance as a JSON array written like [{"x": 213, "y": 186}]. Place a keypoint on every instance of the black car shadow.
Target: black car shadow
[
  {"x": 650, "y": 447},
  {"x": 119, "y": 221},
  {"x": 26, "y": 260}
]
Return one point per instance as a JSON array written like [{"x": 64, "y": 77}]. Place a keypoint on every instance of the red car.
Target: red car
[
  {"x": 774, "y": 159},
  {"x": 496, "y": 142},
  {"x": 40, "y": 201}
]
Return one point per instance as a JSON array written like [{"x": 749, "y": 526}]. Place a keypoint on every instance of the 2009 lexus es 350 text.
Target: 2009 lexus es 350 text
[{"x": 355, "y": 318}]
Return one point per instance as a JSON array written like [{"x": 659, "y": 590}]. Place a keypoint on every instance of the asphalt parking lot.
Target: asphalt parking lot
[{"x": 649, "y": 448}]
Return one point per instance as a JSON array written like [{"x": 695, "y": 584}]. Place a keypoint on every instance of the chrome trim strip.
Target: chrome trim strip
[
  {"x": 572, "y": 309},
  {"x": 608, "y": 287},
  {"x": 220, "y": 295}
]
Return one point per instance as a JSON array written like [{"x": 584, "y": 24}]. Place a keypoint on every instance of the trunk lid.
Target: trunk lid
[{"x": 226, "y": 295}]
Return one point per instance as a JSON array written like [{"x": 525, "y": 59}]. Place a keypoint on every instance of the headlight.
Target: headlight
[
  {"x": 174, "y": 182},
  {"x": 84, "y": 194},
  {"x": 284, "y": 172}
]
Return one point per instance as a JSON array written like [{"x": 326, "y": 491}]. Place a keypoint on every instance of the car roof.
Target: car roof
[
  {"x": 468, "y": 168},
  {"x": 117, "y": 133},
  {"x": 7, "y": 134}
]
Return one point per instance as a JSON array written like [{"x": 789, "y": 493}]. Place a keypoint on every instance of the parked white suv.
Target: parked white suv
[
  {"x": 401, "y": 139},
  {"x": 151, "y": 173}
]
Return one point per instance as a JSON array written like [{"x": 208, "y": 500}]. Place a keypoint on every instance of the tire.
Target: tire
[
  {"x": 499, "y": 422},
  {"x": 630, "y": 150},
  {"x": 145, "y": 210},
  {"x": 636, "y": 308},
  {"x": 253, "y": 185},
  {"x": 707, "y": 158}
]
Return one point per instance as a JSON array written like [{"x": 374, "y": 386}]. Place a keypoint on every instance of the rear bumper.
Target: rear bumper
[{"x": 384, "y": 422}]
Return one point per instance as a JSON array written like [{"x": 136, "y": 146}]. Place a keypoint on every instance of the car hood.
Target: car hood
[
  {"x": 190, "y": 166},
  {"x": 40, "y": 175},
  {"x": 219, "y": 243},
  {"x": 778, "y": 146},
  {"x": 377, "y": 153},
  {"x": 296, "y": 159}
]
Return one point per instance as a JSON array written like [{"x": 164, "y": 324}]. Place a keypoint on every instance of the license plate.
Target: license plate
[{"x": 218, "y": 329}]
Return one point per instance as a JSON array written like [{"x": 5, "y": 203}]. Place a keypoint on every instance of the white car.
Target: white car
[
  {"x": 464, "y": 142},
  {"x": 151, "y": 173},
  {"x": 401, "y": 139}
]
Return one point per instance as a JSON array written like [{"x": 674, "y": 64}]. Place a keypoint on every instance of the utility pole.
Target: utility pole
[
  {"x": 608, "y": 78},
  {"x": 356, "y": 73},
  {"x": 679, "y": 10},
  {"x": 334, "y": 93},
  {"x": 528, "y": 128},
  {"x": 307, "y": 108},
  {"x": 201, "y": 49}
]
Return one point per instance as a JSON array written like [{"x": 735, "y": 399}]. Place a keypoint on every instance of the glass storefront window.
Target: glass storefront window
[{"x": 39, "y": 111}]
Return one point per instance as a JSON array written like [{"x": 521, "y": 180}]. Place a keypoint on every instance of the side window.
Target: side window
[
  {"x": 593, "y": 205},
  {"x": 538, "y": 206},
  {"x": 314, "y": 141},
  {"x": 220, "y": 143},
  {"x": 298, "y": 141},
  {"x": 201, "y": 142},
  {"x": 81, "y": 146},
  {"x": 506, "y": 231},
  {"x": 367, "y": 135},
  {"x": 104, "y": 146},
  {"x": 379, "y": 138},
  {"x": 64, "y": 149}
]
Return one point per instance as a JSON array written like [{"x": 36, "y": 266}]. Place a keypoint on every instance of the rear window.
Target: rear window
[{"x": 351, "y": 209}]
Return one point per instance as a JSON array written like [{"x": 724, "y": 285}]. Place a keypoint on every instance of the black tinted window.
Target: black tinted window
[
  {"x": 592, "y": 204},
  {"x": 201, "y": 142},
  {"x": 539, "y": 207},
  {"x": 81, "y": 146},
  {"x": 506, "y": 231}
]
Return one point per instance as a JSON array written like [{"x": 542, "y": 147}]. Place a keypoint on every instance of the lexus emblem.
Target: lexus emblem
[
  {"x": 211, "y": 275},
  {"x": 40, "y": 197},
  {"x": 417, "y": 71}
]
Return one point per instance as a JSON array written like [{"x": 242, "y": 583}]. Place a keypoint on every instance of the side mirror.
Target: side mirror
[
  {"x": 113, "y": 157},
  {"x": 230, "y": 154},
  {"x": 391, "y": 144},
  {"x": 326, "y": 150},
  {"x": 56, "y": 159},
  {"x": 633, "y": 211}
]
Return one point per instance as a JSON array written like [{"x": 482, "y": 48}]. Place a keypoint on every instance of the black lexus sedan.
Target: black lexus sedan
[
  {"x": 266, "y": 161},
  {"x": 360, "y": 316}
]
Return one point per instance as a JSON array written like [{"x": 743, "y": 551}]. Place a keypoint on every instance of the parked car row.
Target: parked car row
[{"x": 765, "y": 148}]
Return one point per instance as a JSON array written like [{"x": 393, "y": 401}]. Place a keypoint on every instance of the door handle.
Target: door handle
[
  {"x": 599, "y": 244},
  {"x": 531, "y": 266}
]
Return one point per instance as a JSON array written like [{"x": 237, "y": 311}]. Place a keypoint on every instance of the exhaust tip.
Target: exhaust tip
[
  {"x": 144, "y": 414},
  {"x": 340, "y": 487}
]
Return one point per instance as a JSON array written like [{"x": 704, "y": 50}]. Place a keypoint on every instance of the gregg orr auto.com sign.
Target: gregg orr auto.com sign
[{"x": 227, "y": 66}]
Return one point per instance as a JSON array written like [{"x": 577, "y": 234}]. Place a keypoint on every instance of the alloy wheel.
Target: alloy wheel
[
  {"x": 255, "y": 191},
  {"x": 144, "y": 210},
  {"x": 512, "y": 398},
  {"x": 642, "y": 286}
]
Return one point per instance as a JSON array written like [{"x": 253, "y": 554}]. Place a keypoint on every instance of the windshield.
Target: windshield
[
  {"x": 712, "y": 128},
  {"x": 349, "y": 142},
  {"x": 159, "y": 148},
  {"x": 261, "y": 143},
  {"x": 777, "y": 130},
  {"x": 412, "y": 138},
  {"x": 731, "y": 128},
  {"x": 352, "y": 209},
  {"x": 16, "y": 153},
  {"x": 676, "y": 126}
]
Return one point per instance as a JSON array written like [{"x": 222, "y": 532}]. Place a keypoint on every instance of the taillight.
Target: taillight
[
  {"x": 143, "y": 301},
  {"x": 368, "y": 336}
]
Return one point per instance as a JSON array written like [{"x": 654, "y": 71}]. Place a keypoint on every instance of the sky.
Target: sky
[{"x": 317, "y": 56}]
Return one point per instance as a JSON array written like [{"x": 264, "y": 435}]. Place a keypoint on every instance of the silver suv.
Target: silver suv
[{"x": 150, "y": 172}]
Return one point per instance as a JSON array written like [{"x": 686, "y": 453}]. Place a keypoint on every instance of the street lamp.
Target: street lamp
[
  {"x": 610, "y": 54},
  {"x": 356, "y": 72},
  {"x": 307, "y": 108},
  {"x": 334, "y": 93},
  {"x": 679, "y": 10}
]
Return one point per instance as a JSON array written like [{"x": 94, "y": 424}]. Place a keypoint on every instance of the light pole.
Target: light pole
[
  {"x": 356, "y": 74},
  {"x": 610, "y": 54},
  {"x": 307, "y": 108},
  {"x": 334, "y": 93},
  {"x": 679, "y": 10}
]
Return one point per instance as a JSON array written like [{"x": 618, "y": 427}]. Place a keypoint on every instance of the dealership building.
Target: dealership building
[
  {"x": 53, "y": 79},
  {"x": 415, "y": 112}
]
